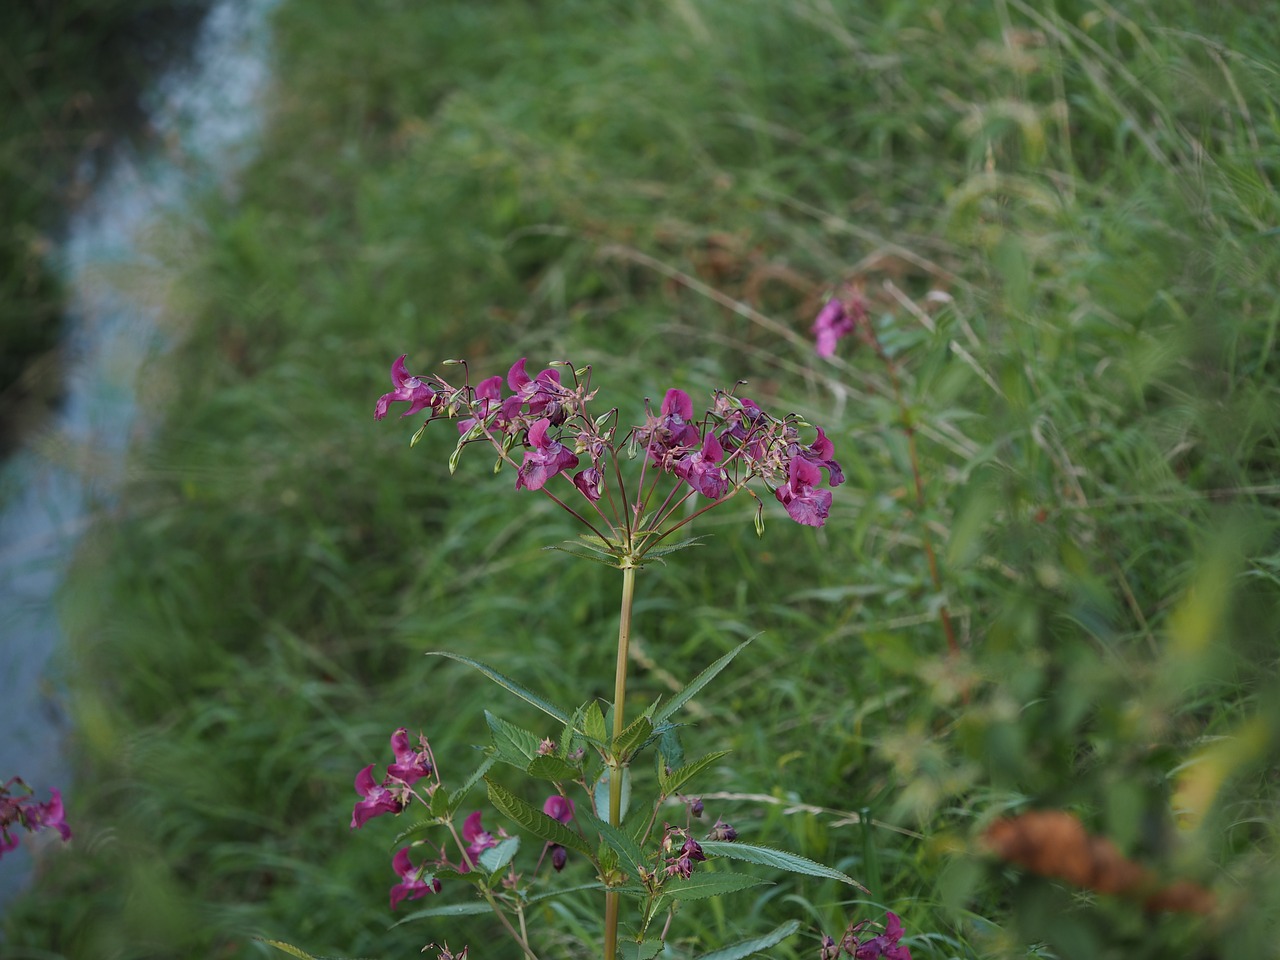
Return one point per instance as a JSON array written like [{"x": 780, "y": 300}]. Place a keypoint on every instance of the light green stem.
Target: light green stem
[{"x": 615, "y": 769}]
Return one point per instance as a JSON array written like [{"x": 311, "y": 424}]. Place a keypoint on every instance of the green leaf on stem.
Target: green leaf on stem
[
  {"x": 507, "y": 683},
  {"x": 671, "y": 782},
  {"x": 548, "y": 767},
  {"x": 451, "y": 910},
  {"x": 535, "y": 821},
  {"x": 745, "y": 948},
  {"x": 629, "y": 853},
  {"x": 593, "y": 723},
  {"x": 636, "y": 734},
  {"x": 670, "y": 752},
  {"x": 513, "y": 744},
  {"x": 780, "y": 859},
  {"x": 697, "y": 683},
  {"x": 657, "y": 552},
  {"x": 573, "y": 551},
  {"x": 630, "y": 950},
  {"x": 421, "y": 827},
  {"x": 495, "y": 858},
  {"x": 457, "y": 796},
  {"x": 704, "y": 884}
]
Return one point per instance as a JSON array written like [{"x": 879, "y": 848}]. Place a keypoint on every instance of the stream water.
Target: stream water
[{"x": 206, "y": 114}]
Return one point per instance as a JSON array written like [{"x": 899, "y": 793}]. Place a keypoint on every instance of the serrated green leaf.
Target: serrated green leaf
[
  {"x": 779, "y": 859},
  {"x": 495, "y": 858},
  {"x": 439, "y": 803},
  {"x": 670, "y": 752},
  {"x": 514, "y": 745},
  {"x": 637, "y": 733},
  {"x": 574, "y": 552},
  {"x": 630, "y": 950},
  {"x": 629, "y": 852},
  {"x": 506, "y": 683},
  {"x": 535, "y": 821},
  {"x": 745, "y": 948},
  {"x": 548, "y": 767},
  {"x": 671, "y": 783},
  {"x": 418, "y": 828},
  {"x": 702, "y": 885},
  {"x": 593, "y": 723},
  {"x": 551, "y": 894},
  {"x": 657, "y": 552},
  {"x": 451, "y": 910},
  {"x": 457, "y": 796},
  {"x": 697, "y": 683}
]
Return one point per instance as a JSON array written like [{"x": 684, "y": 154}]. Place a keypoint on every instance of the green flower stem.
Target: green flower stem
[{"x": 615, "y": 771}]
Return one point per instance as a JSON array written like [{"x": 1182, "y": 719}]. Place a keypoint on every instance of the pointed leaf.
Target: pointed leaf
[
  {"x": 637, "y": 732},
  {"x": 704, "y": 884},
  {"x": 672, "y": 782},
  {"x": 629, "y": 853},
  {"x": 745, "y": 948},
  {"x": 657, "y": 552},
  {"x": 593, "y": 723},
  {"x": 420, "y": 827},
  {"x": 551, "y": 894},
  {"x": 698, "y": 682},
  {"x": 670, "y": 752},
  {"x": 630, "y": 950},
  {"x": 457, "y": 796},
  {"x": 535, "y": 821},
  {"x": 507, "y": 683},
  {"x": 581, "y": 554},
  {"x": 495, "y": 858},
  {"x": 452, "y": 910},
  {"x": 514, "y": 745},
  {"x": 779, "y": 859},
  {"x": 547, "y": 767}
]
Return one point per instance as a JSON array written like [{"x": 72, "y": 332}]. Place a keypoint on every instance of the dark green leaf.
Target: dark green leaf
[
  {"x": 637, "y": 733},
  {"x": 452, "y": 910},
  {"x": 416, "y": 830},
  {"x": 672, "y": 782},
  {"x": 535, "y": 821},
  {"x": 779, "y": 859},
  {"x": 630, "y": 950},
  {"x": 698, "y": 682},
  {"x": 593, "y": 723},
  {"x": 507, "y": 683},
  {"x": 745, "y": 948},
  {"x": 705, "y": 884},
  {"x": 513, "y": 744},
  {"x": 629, "y": 853},
  {"x": 457, "y": 796},
  {"x": 548, "y": 767}
]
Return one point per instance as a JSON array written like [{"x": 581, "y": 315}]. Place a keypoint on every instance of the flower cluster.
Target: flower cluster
[
  {"x": 715, "y": 455},
  {"x": 393, "y": 793},
  {"x": 680, "y": 861},
  {"x": 23, "y": 810},
  {"x": 881, "y": 945}
]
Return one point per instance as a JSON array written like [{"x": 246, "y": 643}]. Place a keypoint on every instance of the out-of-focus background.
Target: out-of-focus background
[{"x": 223, "y": 220}]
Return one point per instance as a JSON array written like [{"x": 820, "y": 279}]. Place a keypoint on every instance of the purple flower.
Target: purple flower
[
  {"x": 546, "y": 459},
  {"x": 24, "y": 811},
  {"x": 591, "y": 482},
  {"x": 407, "y": 388},
  {"x": 477, "y": 838},
  {"x": 558, "y": 808},
  {"x": 377, "y": 799},
  {"x": 702, "y": 470},
  {"x": 411, "y": 765},
  {"x": 722, "y": 831},
  {"x": 832, "y": 323},
  {"x": 819, "y": 453},
  {"x": 413, "y": 885},
  {"x": 886, "y": 944},
  {"x": 804, "y": 504},
  {"x": 49, "y": 814},
  {"x": 559, "y": 857},
  {"x": 672, "y": 430},
  {"x": 542, "y": 394}
]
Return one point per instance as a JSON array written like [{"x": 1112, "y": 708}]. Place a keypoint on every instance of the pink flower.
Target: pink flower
[
  {"x": 558, "y": 808},
  {"x": 547, "y": 458},
  {"x": 377, "y": 799},
  {"x": 702, "y": 470},
  {"x": 413, "y": 885},
  {"x": 804, "y": 503},
  {"x": 411, "y": 765},
  {"x": 408, "y": 389}
]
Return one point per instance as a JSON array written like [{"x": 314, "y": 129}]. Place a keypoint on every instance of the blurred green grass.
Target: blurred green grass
[{"x": 1063, "y": 217}]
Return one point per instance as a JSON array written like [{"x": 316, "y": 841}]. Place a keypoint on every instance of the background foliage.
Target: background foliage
[{"x": 1064, "y": 218}]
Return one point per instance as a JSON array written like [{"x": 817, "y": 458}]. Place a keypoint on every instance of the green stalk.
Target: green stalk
[{"x": 615, "y": 770}]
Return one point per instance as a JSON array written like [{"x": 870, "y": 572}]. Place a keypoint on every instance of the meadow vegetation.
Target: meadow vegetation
[{"x": 1063, "y": 219}]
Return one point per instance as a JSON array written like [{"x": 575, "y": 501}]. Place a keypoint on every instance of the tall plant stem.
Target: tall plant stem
[{"x": 615, "y": 769}]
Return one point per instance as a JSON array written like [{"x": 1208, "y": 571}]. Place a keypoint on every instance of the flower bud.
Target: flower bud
[{"x": 558, "y": 857}]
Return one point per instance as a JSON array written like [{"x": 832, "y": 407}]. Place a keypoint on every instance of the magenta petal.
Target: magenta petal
[
  {"x": 516, "y": 377},
  {"x": 677, "y": 402},
  {"x": 558, "y": 808}
]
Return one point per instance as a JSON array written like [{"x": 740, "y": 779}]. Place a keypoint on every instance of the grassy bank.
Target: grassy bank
[{"x": 1064, "y": 225}]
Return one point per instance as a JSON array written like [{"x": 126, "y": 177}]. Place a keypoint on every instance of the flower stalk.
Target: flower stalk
[{"x": 619, "y": 724}]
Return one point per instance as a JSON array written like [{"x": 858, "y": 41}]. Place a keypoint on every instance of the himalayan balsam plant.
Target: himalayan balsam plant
[
  {"x": 632, "y": 489},
  {"x": 19, "y": 808}
]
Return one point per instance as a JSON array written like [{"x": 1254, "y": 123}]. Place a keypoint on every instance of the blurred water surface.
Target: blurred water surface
[{"x": 206, "y": 114}]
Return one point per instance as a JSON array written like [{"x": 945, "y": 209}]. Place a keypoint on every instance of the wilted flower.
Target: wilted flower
[
  {"x": 722, "y": 831},
  {"x": 408, "y": 388},
  {"x": 830, "y": 949},
  {"x": 413, "y": 884}
]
